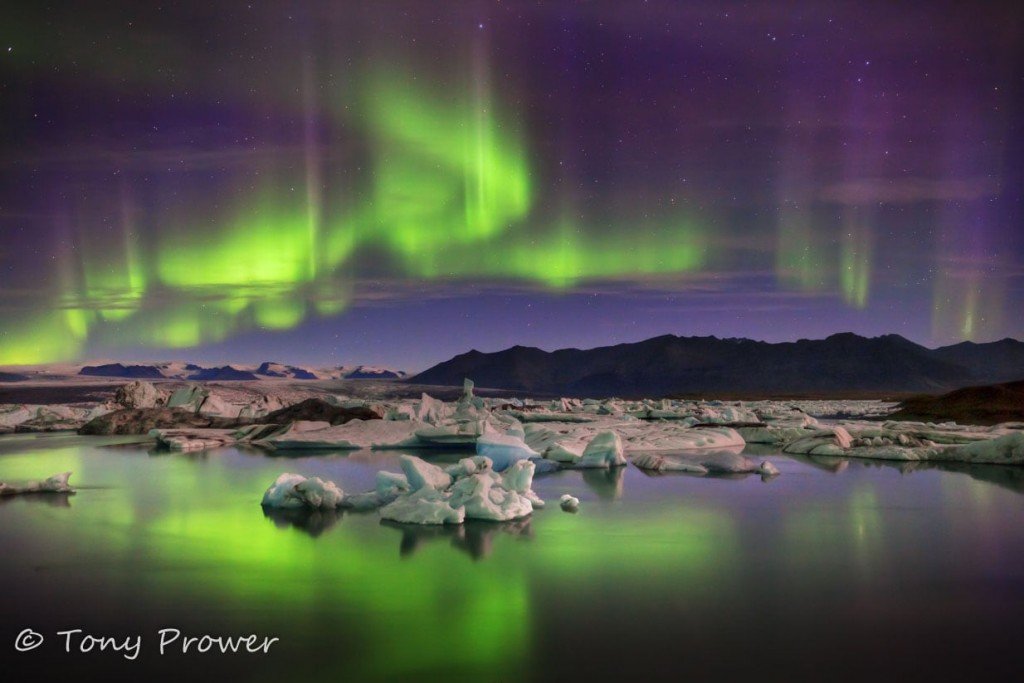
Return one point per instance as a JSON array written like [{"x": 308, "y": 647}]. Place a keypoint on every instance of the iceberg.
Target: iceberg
[
  {"x": 483, "y": 496},
  {"x": 832, "y": 441},
  {"x": 569, "y": 503},
  {"x": 139, "y": 394},
  {"x": 504, "y": 449},
  {"x": 655, "y": 462},
  {"x": 352, "y": 435},
  {"x": 1004, "y": 450},
  {"x": 58, "y": 483},
  {"x": 604, "y": 450},
  {"x": 470, "y": 489},
  {"x": 424, "y": 506},
  {"x": 421, "y": 474},
  {"x": 294, "y": 491}
]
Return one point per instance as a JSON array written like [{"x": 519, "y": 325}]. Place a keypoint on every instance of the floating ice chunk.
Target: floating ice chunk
[
  {"x": 483, "y": 496},
  {"x": 139, "y": 394},
  {"x": 560, "y": 445},
  {"x": 1004, "y": 450},
  {"x": 660, "y": 463},
  {"x": 544, "y": 466},
  {"x": 190, "y": 397},
  {"x": 58, "y": 483},
  {"x": 519, "y": 478},
  {"x": 391, "y": 483},
  {"x": 422, "y": 474},
  {"x": 449, "y": 436},
  {"x": 831, "y": 441},
  {"x": 565, "y": 453},
  {"x": 725, "y": 462},
  {"x": 424, "y": 506},
  {"x": 504, "y": 449},
  {"x": 604, "y": 450},
  {"x": 468, "y": 466},
  {"x": 355, "y": 434},
  {"x": 190, "y": 440},
  {"x": 431, "y": 410},
  {"x": 319, "y": 493},
  {"x": 772, "y": 433},
  {"x": 677, "y": 436},
  {"x": 293, "y": 491},
  {"x": 569, "y": 503}
]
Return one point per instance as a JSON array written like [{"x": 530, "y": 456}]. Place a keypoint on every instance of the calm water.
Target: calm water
[{"x": 834, "y": 570}]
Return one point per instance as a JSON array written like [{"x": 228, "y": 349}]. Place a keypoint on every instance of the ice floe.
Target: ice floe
[
  {"x": 569, "y": 503},
  {"x": 657, "y": 435},
  {"x": 423, "y": 493},
  {"x": 58, "y": 483},
  {"x": 604, "y": 450},
  {"x": 293, "y": 491}
]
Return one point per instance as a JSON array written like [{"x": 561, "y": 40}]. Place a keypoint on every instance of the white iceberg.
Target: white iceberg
[
  {"x": 58, "y": 483},
  {"x": 425, "y": 506},
  {"x": 832, "y": 441},
  {"x": 421, "y": 474},
  {"x": 604, "y": 450},
  {"x": 483, "y": 496},
  {"x": 569, "y": 503},
  {"x": 294, "y": 491},
  {"x": 504, "y": 449},
  {"x": 353, "y": 435},
  {"x": 655, "y": 462},
  {"x": 470, "y": 489}
]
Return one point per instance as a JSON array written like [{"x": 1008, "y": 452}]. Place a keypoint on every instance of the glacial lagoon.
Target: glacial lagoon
[{"x": 838, "y": 569}]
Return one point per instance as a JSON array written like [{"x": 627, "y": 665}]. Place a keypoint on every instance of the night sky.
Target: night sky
[{"x": 397, "y": 182}]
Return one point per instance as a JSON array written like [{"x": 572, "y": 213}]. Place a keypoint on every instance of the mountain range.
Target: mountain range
[
  {"x": 191, "y": 371},
  {"x": 676, "y": 366}
]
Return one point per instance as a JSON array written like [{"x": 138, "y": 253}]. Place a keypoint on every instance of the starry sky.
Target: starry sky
[{"x": 397, "y": 182}]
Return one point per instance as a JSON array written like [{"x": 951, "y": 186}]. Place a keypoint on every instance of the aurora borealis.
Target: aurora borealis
[{"x": 396, "y": 182}]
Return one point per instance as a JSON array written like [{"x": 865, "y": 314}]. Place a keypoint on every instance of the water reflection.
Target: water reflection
[
  {"x": 828, "y": 463},
  {"x": 312, "y": 522},
  {"x": 1005, "y": 476},
  {"x": 44, "y": 498},
  {"x": 855, "y": 557},
  {"x": 607, "y": 484},
  {"x": 474, "y": 537}
]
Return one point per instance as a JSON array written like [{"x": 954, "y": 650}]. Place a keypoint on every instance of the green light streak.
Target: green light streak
[
  {"x": 799, "y": 261},
  {"x": 567, "y": 256},
  {"x": 448, "y": 193},
  {"x": 269, "y": 243},
  {"x": 855, "y": 265},
  {"x": 43, "y": 337},
  {"x": 445, "y": 169}
]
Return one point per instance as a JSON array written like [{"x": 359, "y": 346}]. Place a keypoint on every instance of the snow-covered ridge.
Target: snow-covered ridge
[{"x": 181, "y": 370}]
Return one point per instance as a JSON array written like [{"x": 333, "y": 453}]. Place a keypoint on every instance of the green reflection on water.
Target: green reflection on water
[{"x": 190, "y": 527}]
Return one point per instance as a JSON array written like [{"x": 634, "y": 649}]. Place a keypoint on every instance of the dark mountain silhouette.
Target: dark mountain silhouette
[
  {"x": 271, "y": 369},
  {"x": 220, "y": 374},
  {"x": 997, "y": 361},
  {"x": 12, "y": 377},
  {"x": 318, "y": 410},
  {"x": 985, "y": 405},
  {"x": 671, "y": 365},
  {"x": 119, "y": 370}
]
